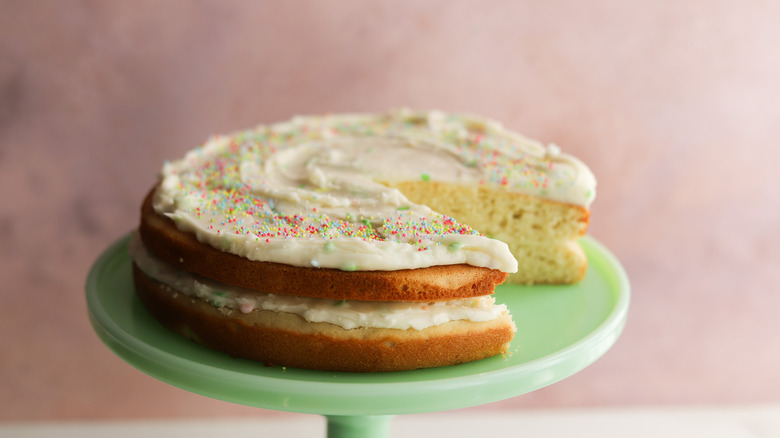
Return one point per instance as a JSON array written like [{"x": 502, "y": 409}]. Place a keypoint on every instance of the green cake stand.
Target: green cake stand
[{"x": 560, "y": 331}]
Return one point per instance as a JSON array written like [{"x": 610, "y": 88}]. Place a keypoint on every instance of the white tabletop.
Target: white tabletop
[{"x": 762, "y": 421}]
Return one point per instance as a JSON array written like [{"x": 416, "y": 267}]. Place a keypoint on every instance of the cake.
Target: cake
[{"x": 358, "y": 242}]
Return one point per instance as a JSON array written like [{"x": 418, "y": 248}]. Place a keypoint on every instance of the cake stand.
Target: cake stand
[{"x": 560, "y": 331}]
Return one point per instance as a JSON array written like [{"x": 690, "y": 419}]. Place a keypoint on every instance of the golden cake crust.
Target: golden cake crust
[
  {"x": 437, "y": 283},
  {"x": 289, "y": 340}
]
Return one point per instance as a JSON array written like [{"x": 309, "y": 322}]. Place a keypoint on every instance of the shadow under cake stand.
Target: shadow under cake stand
[{"x": 560, "y": 331}]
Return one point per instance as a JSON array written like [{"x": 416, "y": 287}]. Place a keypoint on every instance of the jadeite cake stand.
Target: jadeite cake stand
[{"x": 560, "y": 331}]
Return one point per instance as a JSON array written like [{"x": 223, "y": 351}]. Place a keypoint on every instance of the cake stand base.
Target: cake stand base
[{"x": 359, "y": 426}]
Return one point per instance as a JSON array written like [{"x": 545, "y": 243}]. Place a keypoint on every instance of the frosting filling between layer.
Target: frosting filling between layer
[{"x": 347, "y": 314}]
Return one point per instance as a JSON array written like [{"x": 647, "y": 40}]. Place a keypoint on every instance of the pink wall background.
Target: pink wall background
[{"x": 675, "y": 105}]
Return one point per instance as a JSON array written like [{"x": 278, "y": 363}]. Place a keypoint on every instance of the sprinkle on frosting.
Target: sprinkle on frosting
[{"x": 279, "y": 189}]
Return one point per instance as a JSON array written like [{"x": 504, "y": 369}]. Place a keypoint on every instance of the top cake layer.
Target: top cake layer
[{"x": 309, "y": 192}]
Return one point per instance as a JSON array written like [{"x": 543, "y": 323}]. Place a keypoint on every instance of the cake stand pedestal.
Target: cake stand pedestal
[{"x": 561, "y": 330}]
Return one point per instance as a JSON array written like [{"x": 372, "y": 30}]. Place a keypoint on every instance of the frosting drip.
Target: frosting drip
[{"x": 309, "y": 192}]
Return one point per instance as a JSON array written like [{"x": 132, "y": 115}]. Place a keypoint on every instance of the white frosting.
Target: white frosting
[
  {"x": 307, "y": 192},
  {"x": 346, "y": 314}
]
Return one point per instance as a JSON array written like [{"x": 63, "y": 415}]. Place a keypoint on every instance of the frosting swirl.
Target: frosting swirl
[{"x": 309, "y": 192}]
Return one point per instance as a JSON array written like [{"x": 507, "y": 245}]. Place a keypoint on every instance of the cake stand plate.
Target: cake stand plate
[{"x": 560, "y": 331}]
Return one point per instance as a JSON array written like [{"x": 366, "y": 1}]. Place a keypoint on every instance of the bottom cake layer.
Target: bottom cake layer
[{"x": 285, "y": 339}]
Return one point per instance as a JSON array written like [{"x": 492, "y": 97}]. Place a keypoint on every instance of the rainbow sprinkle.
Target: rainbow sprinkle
[{"x": 231, "y": 207}]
